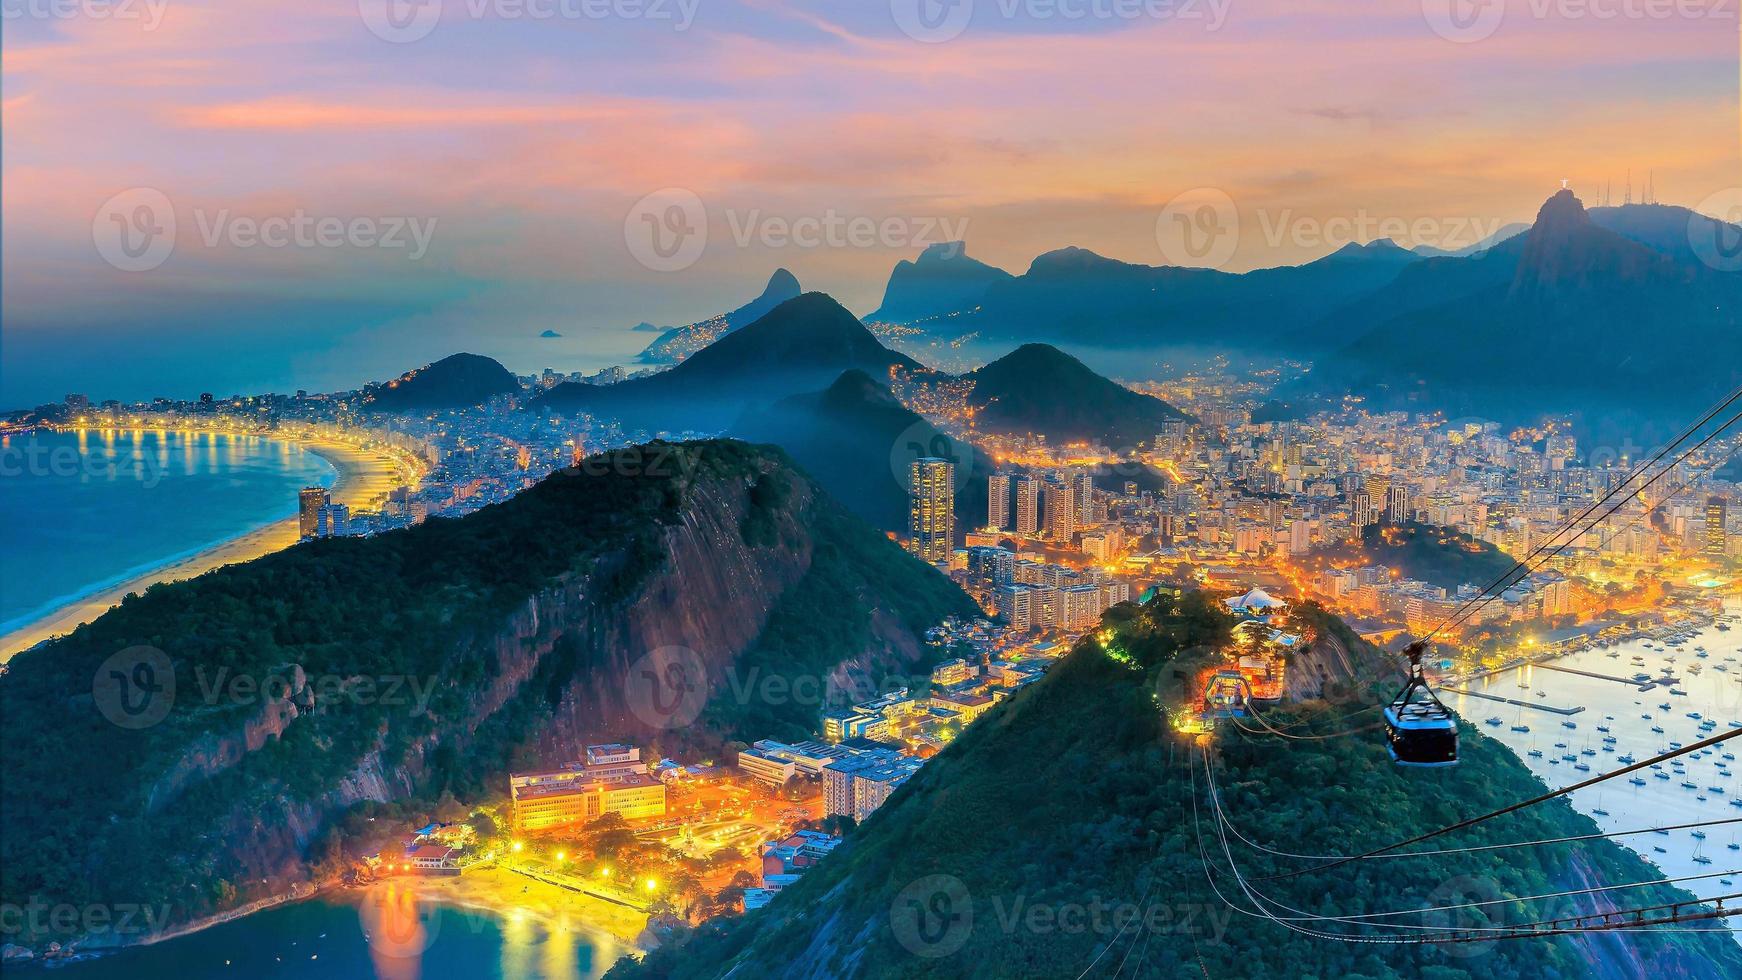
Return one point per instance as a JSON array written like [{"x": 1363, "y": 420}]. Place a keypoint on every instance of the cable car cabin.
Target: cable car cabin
[
  {"x": 1225, "y": 695},
  {"x": 1419, "y": 730},
  {"x": 1421, "y": 733}
]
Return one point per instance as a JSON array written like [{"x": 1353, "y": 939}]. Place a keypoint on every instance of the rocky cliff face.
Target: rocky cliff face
[{"x": 636, "y": 639}]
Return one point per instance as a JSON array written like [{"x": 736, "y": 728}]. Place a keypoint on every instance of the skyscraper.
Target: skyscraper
[
  {"x": 1027, "y": 505},
  {"x": 1083, "y": 489},
  {"x": 1717, "y": 514},
  {"x": 998, "y": 501},
  {"x": 1061, "y": 511},
  {"x": 933, "y": 508},
  {"x": 308, "y": 510},
  {"x": 1397, "y": 508}
]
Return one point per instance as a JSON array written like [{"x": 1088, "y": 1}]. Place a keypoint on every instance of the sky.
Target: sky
[{"x": 249, "y": 195}]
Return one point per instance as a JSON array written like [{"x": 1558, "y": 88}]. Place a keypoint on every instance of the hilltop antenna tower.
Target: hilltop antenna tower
[{"x": 1629, "y": 198}]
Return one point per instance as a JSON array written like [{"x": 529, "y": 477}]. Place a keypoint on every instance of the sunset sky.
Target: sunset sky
[{"x": 524, "y": 145}]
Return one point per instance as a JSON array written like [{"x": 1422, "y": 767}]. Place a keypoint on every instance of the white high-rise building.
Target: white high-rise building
[
  {"x": 998, "y": 501},
  {"x": 1027, "y": 505}
]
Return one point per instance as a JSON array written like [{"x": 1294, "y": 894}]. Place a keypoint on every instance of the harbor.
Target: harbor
[{"x": 1608, "y": 722}]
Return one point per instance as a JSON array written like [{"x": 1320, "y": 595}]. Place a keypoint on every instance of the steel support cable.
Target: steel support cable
[
  {"x": 1489, "y": 595},
  {"x": 1685, "y": 434},
  {"x": 1512, "y": 808},
  {"x": 1359, "y": 918},
  {"x": 1475, "y": 934}
]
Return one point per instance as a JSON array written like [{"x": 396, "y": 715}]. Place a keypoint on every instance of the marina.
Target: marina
[{"x": 1634, "y": 722}]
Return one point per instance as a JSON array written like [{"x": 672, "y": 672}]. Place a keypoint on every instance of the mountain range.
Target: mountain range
[
  {"x": 802, "y": 345},
  {"x": 944, "y": 280},
  {"x": 676, "y": 343},
  {"x": 1569, "y": 317},
  {"x": 1468, "y": 331}
]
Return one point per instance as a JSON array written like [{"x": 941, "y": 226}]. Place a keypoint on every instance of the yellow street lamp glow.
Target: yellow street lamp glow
[
  {"x": 516, "y": 848},
  {"x": 652, "y": 884},
  {"x": 559, "y": 855},
  {"x": 604, "y": 872}
]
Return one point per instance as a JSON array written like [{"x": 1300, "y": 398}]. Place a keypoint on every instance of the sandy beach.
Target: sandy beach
[{"x": 364, "y": 480}]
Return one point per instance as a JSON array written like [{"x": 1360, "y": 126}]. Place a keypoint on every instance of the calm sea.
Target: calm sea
[
  {"x": 1703, "y": 788},
  {"x": 354, "y": 935},
  {"x": 87, "y": 511}
]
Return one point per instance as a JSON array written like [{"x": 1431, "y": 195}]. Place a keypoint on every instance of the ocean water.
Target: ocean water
[
  {"x": 83, "y": 512},
  {"x": 1630, "y": 715},
  {"x": 382, "y": 932}
]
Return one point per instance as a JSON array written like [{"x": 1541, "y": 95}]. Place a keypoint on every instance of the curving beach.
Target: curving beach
[{"x": 364, "y": 480}]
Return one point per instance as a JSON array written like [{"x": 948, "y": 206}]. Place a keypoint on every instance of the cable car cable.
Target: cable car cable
[
  {"x": 1487, "y": 596},
  {"x": 1552, "y": 794}
]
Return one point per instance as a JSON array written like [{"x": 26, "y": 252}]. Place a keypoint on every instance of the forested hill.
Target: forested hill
[
  {"x": 1012, "y": 852},
  {"x": 202, "y": 745}
]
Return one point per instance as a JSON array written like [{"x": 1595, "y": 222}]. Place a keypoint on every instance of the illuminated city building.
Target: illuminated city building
[
  {"x": 1027, "y": 505},
  {"x": 1717, "y": 516},
  {"x": 1061, "y": 511},
  {"x": 932, "y": 508},
  {"x": 998, "y": 501},
  {"x": 308, "y": 510}
]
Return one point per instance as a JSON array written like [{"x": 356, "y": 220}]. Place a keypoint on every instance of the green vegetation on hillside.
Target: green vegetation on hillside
[
  {"x": 1440, "y": 556},
  {"x": 396, "y": 634},
  {"x": 1073, "y": 797}
]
